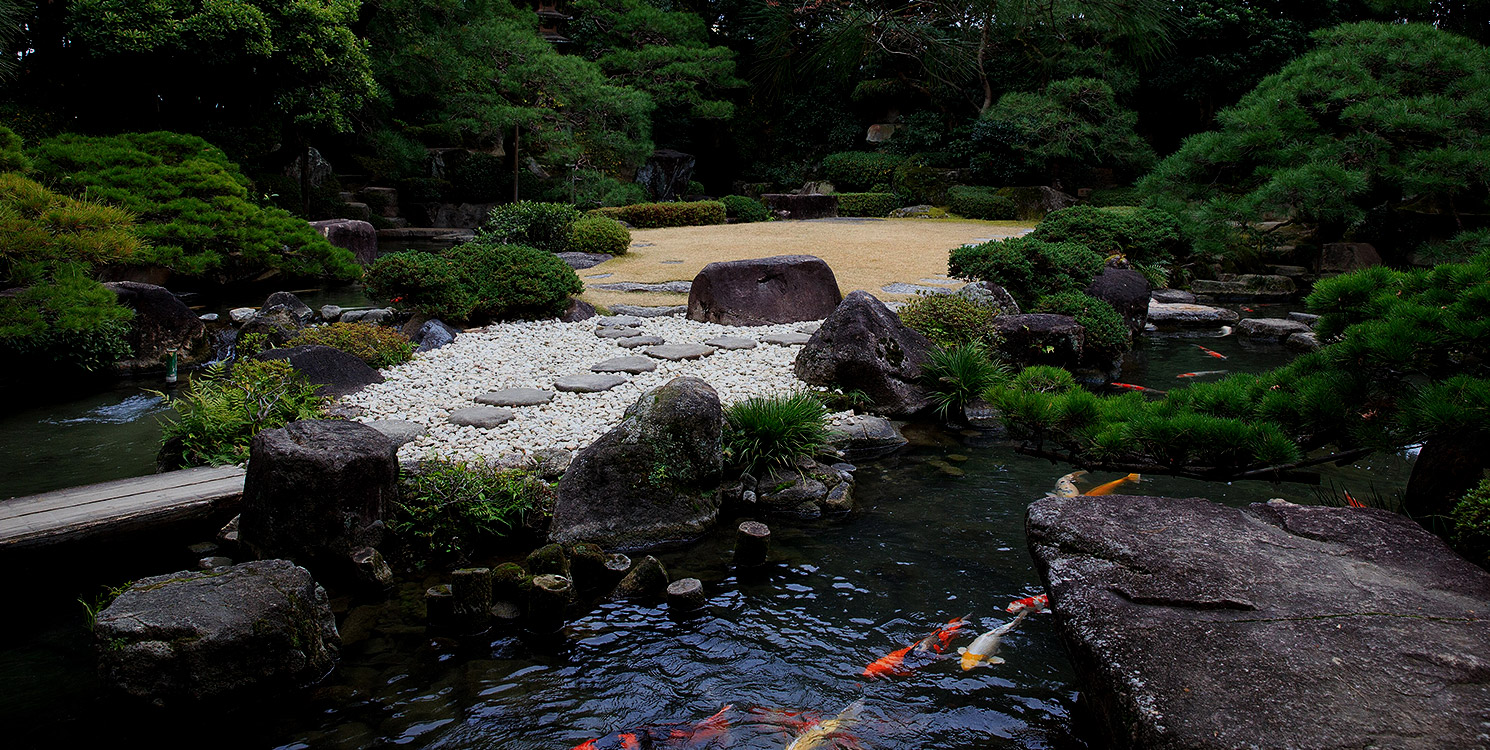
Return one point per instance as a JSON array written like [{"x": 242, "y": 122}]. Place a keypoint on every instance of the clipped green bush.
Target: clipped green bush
[
  {"x": 745, "y": 209},
  {"x": 767, "y": 431},
  {"x": 224, "y": 407},
  {"x": 541, "y": 225},
  {"x": 599, "y": 234},
  {"x": 454, "y": 507},
  {"x": 952, "y": 320},
  {"x": 475, "y": 281},
  {"x": 1470, "y": 525},
  {"x": 867, "y": 204},
  {"x": 1028, "y": 268},
  {"x": 972, "y": 202},
  {"x": 12, "y": 159},
  {"x": 861, "y": 170},
  {"x": 192, "y": 207},
  {"x": 1105, "y": 329},
  {"x": 659, "y": 215},
  {"x": 378, "y": 346},
  {"x": 1144, "y": 235},
  {"x": 1107, "y": 197},
  {"x": 921, "y": 183},
  {"x": 958, "y": 376}
]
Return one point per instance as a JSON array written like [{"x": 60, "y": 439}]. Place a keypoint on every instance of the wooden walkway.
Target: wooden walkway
[{"x": 120, "y": 506}]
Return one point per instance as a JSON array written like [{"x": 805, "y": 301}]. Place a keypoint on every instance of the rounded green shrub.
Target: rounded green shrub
[
  {"x": 952, "y": 320},
  {"x": 867, "y": 204},
  {"x": 476, "y": 281},
  {"x": 860, "y": 170},
  {"x": 661, "y": 215},
  {"x": 378, "y": 346},
  {"x": 745, "y": 209},
  {"x": 1105, "y": 329},
  {"x": 541, "y": 225},
  {"x": 1028, "y": 268},
  {"x": 1144, "y": 235},
  {"x": 599, "y": 234},
  {"x": 1470, "y": 525},
  {"x": 972, "y": 202},
  {"x": 11, "y": 157}
]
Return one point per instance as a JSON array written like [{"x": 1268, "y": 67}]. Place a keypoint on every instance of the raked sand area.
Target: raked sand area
[{"x": 867, "y": 254}]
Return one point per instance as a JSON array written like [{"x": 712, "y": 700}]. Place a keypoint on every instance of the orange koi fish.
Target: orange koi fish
[
  {"x": 1034, "y": 604},
  {"x": 1217, "y": 355},
  {"x": 1201, "y": 373},
  {"x": 1106, "y": 489},
  {"x": 937, "y": 642},
  {"x": 1139, "y": 388},
  {"x": 664, "y": 735},
  {"x": 1354, "y": 503},
  {"x": 891, "y": 664}
]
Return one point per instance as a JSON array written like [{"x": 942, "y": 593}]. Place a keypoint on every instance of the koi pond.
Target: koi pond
[{"x": 938, "y": 533}]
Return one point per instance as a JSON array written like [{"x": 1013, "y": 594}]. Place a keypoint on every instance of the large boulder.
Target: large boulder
[
  {"x": 1128, "y": 293},
  {"x": 337, "y": 372},
  {"x": 1246, "y": 287},
  {"x": 794, "y": 207},
  {"x": 291, "y": 303},
  {"x": 1340, "y": 257},
  {"x": 1165, "y": 315},
  {"x": 1041, "y": 339},
  {"x": 434, "y": 334},
  {"x": 1032, "y": 203},
  {"x": 864, "y": 436},
  {"x": 1275, "y": 330},
  {"x": 278, "y": 324},
  {"x": 992, "y": 295},
  {"x": 764, "y": 291},
  {"x": 1195, "y": 625},
  {"x": 317, "y": 491},
  {"x": 863, "y": 346},
  {"x": 652, "y": 479},
  {"x": 666, "y": 174},
  {"x": 162, "y": 324},
  {"x": 197, "y": 635}
]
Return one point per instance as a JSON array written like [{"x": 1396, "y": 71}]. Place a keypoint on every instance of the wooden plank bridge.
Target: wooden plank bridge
[{"x": 120, "y": 506}]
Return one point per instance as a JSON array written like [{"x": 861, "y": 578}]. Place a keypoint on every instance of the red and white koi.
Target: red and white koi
[
  {"x": 1139, "y": 388},
  {"x": 1201, "y": 373},
  {"x": 1036, "y": 604},
  {"x": 832, "y": 733},
  {"x": 1217, "y": 355},
  {"x": 664, "y": 735},
  {"x": 1066, "y": 485},
  {"x": 937, "y": 642}
]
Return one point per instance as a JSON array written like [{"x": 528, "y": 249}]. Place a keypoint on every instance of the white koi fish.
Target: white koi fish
[
  {"x": 983, "y": 649},
  {"x": 826, "y": 734},
  {"x": 1066, "y": 485}
]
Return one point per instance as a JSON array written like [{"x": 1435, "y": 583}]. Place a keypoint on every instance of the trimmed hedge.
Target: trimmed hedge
[
  {"x": 541, "y": 225},
  {"x": 1144, "y": 235},
  {"x": 659, "y": 215},
  {"x": 979, "y": 203},
  {"x": 861, "y": 170},
  {"x": 1105, "y": 329},
  {"x": 1028, "y": 268},
  {"x": 867, "y": 204},
  {"x": 745, "y": 209},
  {"x": 599, "y": 234},
  {"x": 475, "y": 281}
]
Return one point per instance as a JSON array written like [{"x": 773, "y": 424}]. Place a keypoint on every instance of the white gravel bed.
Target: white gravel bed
[{"x": 534, "y": 355}]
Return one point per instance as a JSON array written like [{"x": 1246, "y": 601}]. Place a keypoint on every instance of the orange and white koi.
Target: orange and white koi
[
  {"x": 1139, "y": 388},
  {"x": 937, "y": 642},
  {"x": 832, "y": 733},
  {"x": 1217, "y": 355},
  {"x": 1201, "y": 373},
  {"x": 983, "y": 650},
  {"x": 664, "y": 735},
  {"x": 1106, "y": 489},
  {"x": 889, "y": 665},
  {"x": 1036, "y": 604}
]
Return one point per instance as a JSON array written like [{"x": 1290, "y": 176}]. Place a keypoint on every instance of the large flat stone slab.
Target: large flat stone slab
[
  {"x": 633, "y": 365},
  {"x": 676, "y": 352},
  {"x": 618, "y": 321},
  {"x": 400, "y": 431},
  {"x": 1185, "y": 315},
  {"x": 617, "y": 332},
  {"x": 588, "y": 382},
  {"x": 516, "y": 397},
  {"x": 1195, "y": 625},
  {"x": 485, "y": 417},
  {"x": 1270, "y": 329},
  {"x": 786, "y": 339},
  {"x": 1247, "y": 286},
  {"x": 731, "y": 343},
  {"x": 637, "y": 342}
]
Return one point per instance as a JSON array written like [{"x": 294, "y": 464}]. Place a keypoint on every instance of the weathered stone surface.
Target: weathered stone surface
[
  {"x": 865, "y": 436},
  {"x": 577, "y": 310},
  {"x": 581, "y": 261},
  {"x": 679, "y": 352},
  {"x": 433, "y": 335},
  {"x": 358, "y": 236},
  {"x": 801, "y": 207},
  {"x": 637, "y": 342},
  {"x": 731, "y": 343},
  {"x": 990, "y": 294},
  {"x": 289, "y": 302},
  {"x": 1270, "y": 329},
  {"x": 197, "y": 635},
  {"x": 633, "y": 365},
  {"x": 1277, "y": 625},
  {"x": 1185, "y": 315},
  {"x": 316, "y": 491},
  {"x": 647, "y": 579},
  {"x": 162, "y": 324},
  {"x": 616, "y": 332},
  {"x": 1032, "y": 203},
  {"x": 484, "y": 417},
  {"x": 1308, "y": 319},
  {"x": 1247, "y": 286},
  {"x": 277, "y": 323},
  {"x": 241, "y": 315},
  {"x": 863, "y": 345},
  {"x": 764, "y": 291},
  {"x": 1128, "y": 293},
  {"x": 400, "y": 431},
  {"x": 786, "y": 339},
  {"x": 516, "y": 397},
  {"x": 650, "y": 311},
  {"x": 1172, "y": 296},
  {"x": 1041, "y": 339},
  {"x": 337, "y": 372},
  {"x": 376, "y": 316},
  {"x": 651, "y": 479},
  {"x": 1303, "y": 342},
  {"x": 330, "y": 313},
  {"x": 1340, "y": 257},
  {"x": 618, "y": 321},
  {"x": 666, "y": 173},
  {"x": 588, "y": 382}
]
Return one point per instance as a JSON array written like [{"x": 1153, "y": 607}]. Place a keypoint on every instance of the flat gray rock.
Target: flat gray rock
[
  {"x": 1271, "y": 329},
  {"x": 677, "y": 287},
  {"x": 634, "y": 342},
  {"x": 581, "y": 261},
  {"x": 810, "y": 328},
  {"x": 731, "y": 342},
  {"x": 1184, "y": 315},
  {"x": 676, "y": 352},
  {"x": 618, "y": 321},
  {"x": 588, "y": 382},
  {"x": 865, "y": 436},
  {"x": 649, "y": 311},
  {"x": 516, "y": 397},
  {"x": 633, "y": 365},
  {"x": 1303, "y": 342},
  {"x": 484, "y": 417},
  {"x": 1308, "y": 319},
  {"x": 400, "y": 431},
  {"x": 616, "y": 332},
  {"x": 786, "y": 339},
  {"x": 900, "y": 287},
  {"x": 1172, "y": 296}
]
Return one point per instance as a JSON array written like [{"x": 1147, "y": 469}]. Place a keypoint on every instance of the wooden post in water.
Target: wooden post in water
[
  {"x": 685, "y": 594},
  {"x": 752, "y": 544}
]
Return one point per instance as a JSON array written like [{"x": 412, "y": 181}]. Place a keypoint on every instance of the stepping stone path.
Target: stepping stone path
[
  {"x": 516, "y": 397},
  {"x": 619, "y": 321},
  {"x": 649, "y": 311},
  {"x": 400, "y": 431},
  {"x": 633, "y": 365},
  {"x": 676, "y": 352},
  {"x": 587, "y": 382},
  {"x": 731, "y": 342},
  {"x": 633, "y": 342},
  {"x": 786, "y": 339},
  {"x": 678, "y": 287},
  {"x": 616, "y": 332},
  {"x": 484, "y": 417}
]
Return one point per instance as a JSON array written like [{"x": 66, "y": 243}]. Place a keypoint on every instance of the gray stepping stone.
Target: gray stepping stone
[
  {"x": 618, "y": 321},
  {"x": 676, "y": 352},
  {"x": 516, "y": 397},
  {"x": 810, "y": 328},
  {"x": 635, "y": 342},
  {"x": 901, "y": 287},
  {"x": 670, "y": 262},
  {"x": 633, "y": 365},
  {"x": 786, "y": 339},
  {"x": 678, "y": 287},
  {"x": 600, "y": 275},
  {"x": 613, "y": 332},
  {"x": 480, "y": 416},
  {"x": 588, "y": 382},
  {"x": 649, "y": 311},
  {"x": 731, "y": 342},
  {"x": 400, "y": 431},
  {"x": 941, "y": 282}
]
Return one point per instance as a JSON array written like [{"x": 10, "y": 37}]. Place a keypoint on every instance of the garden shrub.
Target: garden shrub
[
  {"x": 541, "y": 225},
  {"x": 972, "y": 202},
  {"x": 478, "y": 178},
  {"x": 923, "y": 184},
  {"x": 952, "y": 320},
  {"x": 860, "y": 170},
  {"x": 599, "y": 234},
  {"x": 624, "y": 194},
  {"x": 958, "y": 376},
  {"x": 224, "y": 407},
  {"x": 1143, "y": 235},
  {"x": 867, "y": 204},
  {"x": 378, "y": 346},
  {"x": 1028, "y": 268},
  {"x": 1108, "y": 197},
  {"x": 767, "y": 431},
  {"x": 659, "y": 215},
  {"x": 453, "y": 507},
  {"x": 12, "y": 159},
  {"x": 1470, "y": 525},
  {"x": 1105, "y": 329},
  {"x": 694, "y": 188},
  {"x": 745, "y": 209},
  {"x": 421, "y": 190},
  {"x": 192, "y": 207},
  {"x": 475, "y": 281}
]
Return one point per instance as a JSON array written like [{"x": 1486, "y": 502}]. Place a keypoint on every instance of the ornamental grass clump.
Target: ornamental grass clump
[
  {"x": 452, "y": 508},
  {"x": 376, "y": 345},
  {"x": 224, "y": 407},
  {"x": 959, "y": 376},
  {"x": 767, "y": 431}
]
